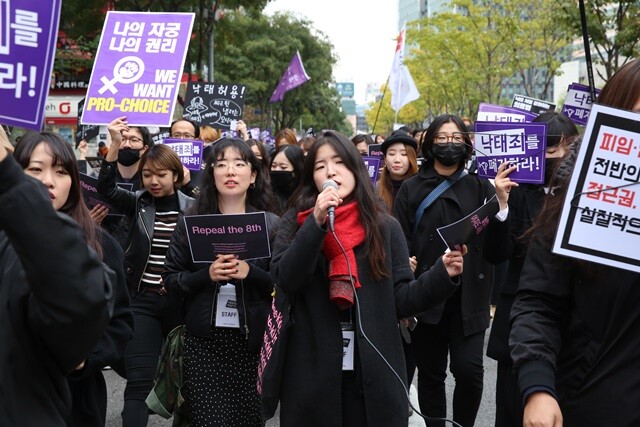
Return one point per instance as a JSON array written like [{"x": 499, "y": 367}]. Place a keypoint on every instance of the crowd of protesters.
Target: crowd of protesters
[{"x": 83, "y": 289}]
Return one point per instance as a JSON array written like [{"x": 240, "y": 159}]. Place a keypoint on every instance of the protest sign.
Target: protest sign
[
  {"x": 499, "y": 113},
  {"x": 85, "y": 132},
  {"x": 522, "y": 145},
  {"x": 460, "y": 232},
  {"x": 600, "y": 221},
  {"x": 577, "y": 103},
  {"x": 138, "y": 68},
  {"x": 216, "y": 104},
  {"x": 245, "y": 235},
  {"x": 375, "y": 150},
  {"x": 189, "y": 151},
  {"x": 532, "y": 105},
  {"x": 89, "y": 187},
  {"x": 28, "y": 35},
  {"x": 160, "y": 136},
  {"x": 373, "y": 167}
]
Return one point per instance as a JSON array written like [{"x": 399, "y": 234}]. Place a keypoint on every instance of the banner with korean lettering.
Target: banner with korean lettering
[
  {"x": 577, "y": 103},
  {"x": 216, "y": 104},
  {"x": 600, "y": 219},
  {"x": 373, "y": 167},
  {"x": 138, "y": 68},
  {"x": 28, "y": 34},
  {"x": 499, "y": 113},
  {"x": 532, "y": 105},
  {"x": 521, "y": 144},
  {"x": 189, "y": 150}
]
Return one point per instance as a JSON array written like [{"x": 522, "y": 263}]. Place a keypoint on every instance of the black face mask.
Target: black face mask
[
  {"x": 449, "y": 154},
  {"x": 549, "y": 169},
  {"x": 128, "y": 156},
  {"x": 282, "y": 181}
]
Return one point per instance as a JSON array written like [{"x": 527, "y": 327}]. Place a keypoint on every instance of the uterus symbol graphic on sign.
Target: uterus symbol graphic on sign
[{"x": 126, "y": 71}]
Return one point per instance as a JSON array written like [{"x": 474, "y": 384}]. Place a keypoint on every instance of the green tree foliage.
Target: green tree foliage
[
  {"x": 614, "y": 28},
  {"x": 463, "y": 58},
  {"x": 256, "y": 50}
]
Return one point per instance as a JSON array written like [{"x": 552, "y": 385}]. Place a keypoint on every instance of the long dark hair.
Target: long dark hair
[
  {"x": 371, "y": 211},
  {"x": 259, "y": 196},
  {"x": 62, "y": 155}
]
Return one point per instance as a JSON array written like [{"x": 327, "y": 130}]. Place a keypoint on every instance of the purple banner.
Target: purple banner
[
  {"x": 292, "y": 78},
  {"x": 499, "y": 113},
  {"x": 373, "y": 167},
  {"x": 577, "y": 103},
  {"x": 138, "y": 68},
  {"x": 28, "y": 34},
  {"x": 189, "y": 151},
  {"x": 522, "y": 144}
]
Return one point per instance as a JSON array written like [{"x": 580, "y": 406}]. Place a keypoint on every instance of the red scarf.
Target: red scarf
[{"x": 351, "y": 233}]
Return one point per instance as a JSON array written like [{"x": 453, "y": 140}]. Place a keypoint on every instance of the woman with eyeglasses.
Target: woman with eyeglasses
[
  {"x": 221, "y": 360},
  {"x": 153, "y": 212},
  {"x": 456, "y": 327}
]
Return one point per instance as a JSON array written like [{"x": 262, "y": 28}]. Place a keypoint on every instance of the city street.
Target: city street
[{"x": 115, "y": 389}]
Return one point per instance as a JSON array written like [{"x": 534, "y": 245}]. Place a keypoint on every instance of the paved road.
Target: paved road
[{"x": 115, "y": 388}]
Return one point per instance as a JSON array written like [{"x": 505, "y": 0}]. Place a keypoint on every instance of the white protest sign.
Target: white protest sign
[{"x": 600, "y": 220}]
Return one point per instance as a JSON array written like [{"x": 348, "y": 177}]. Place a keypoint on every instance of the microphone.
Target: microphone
[{"x": 331, "y": 212}]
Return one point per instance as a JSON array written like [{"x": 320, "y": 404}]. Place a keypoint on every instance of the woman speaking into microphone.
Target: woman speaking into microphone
[{"x": 349, "y": 282}]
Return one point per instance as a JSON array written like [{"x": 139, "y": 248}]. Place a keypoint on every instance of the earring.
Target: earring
[{"x": 252, "y": 185}]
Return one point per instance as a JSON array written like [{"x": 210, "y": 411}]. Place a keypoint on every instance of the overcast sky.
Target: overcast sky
[{"x": 363, "y": 34}]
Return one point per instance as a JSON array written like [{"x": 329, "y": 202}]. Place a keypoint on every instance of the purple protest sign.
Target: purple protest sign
[
  {"x": 189, "y": 151},
  {"x": 138, "y": 68},
  {"x": 292, "y": 78},
  {"x": 499, "y": 113},
  {"x": 28, "y": 34},
  {"x": 373, "y": 167},
  {"x": 522, "y": 144},
  {"x": 577, "y": 103}
]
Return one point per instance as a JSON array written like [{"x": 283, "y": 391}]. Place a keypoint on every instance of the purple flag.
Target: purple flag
[
  {"x": 522, "y": 144},
  {"x": 138, "y": 68},
  {"x": 292, "y": 78},
  {"x": 28, "y": 33}
]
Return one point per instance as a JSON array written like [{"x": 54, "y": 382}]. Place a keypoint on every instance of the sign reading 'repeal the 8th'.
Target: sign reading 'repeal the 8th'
[{"x": 138, "y": 68}]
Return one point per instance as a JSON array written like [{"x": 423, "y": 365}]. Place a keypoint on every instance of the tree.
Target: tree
[
  {"x": 255, "y": 51},
  {"x": 613, "y": 30}
]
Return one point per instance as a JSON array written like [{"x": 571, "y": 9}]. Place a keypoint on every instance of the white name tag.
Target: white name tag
[
  {"x": 227, "y": 308},
  {"x": 348, "y": 346}
]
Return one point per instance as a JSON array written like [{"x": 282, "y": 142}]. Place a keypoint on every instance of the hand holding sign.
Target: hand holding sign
[
  {"x": 227, "y": 267},
  {"x": 504, "y": 184},
  {"x": 453, "y": 261}
]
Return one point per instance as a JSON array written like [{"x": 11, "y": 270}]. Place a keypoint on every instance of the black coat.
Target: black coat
[
  {"x": 576, "y": 330},
  {"x": 191, "y": 280},
  {"x": 465, "y": 196},
  {"x": 139, "y": 207},
  {"x": 88, "y": 388},
  {"x": 55, "y": 302},
  {"x": 525, "y": 202},
  {"x": 311, "y": 384}
]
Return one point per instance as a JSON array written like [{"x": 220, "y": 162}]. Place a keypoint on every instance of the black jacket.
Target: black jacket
[
  {"x": 139, "y": 207},
  {"x": 525, "y": 202},
  {"x": 88, "y": 388},
  {"x": 465, "y": 196},
  {"x": 311, "y": 384},
  {"x": 184, "y": 277},
  {"x": 576, "y": 330},
  {"x": 55, "y": 302}
]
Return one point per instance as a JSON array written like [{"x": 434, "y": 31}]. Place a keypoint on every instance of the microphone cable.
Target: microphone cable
[{"x": 364, "y": 335}]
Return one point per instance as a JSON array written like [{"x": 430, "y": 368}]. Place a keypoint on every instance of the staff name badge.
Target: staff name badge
[
  {"x": 348, "y": 346},
  {"x": 227, "y": 307}
]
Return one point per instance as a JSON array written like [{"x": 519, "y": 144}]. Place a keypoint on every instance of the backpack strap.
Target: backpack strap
[{"x": 434, "y": 194}]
